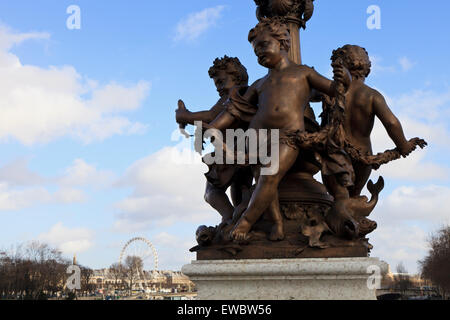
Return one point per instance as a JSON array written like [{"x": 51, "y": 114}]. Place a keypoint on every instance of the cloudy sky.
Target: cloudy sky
[{"x": 91, "y": 156}]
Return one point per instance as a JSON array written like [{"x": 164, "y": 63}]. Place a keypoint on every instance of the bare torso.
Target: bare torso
[
  {"x": 282, "y": 96},
  {"x": 359, "y": 115}
]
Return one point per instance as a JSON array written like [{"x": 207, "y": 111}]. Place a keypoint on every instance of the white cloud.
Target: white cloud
[
  {"x": 16, "y": 199},
  {"x": 166, "y": 191},
  {"x": 69, "y": 195},
  {"x": 81, "y": 173},
  {"x": 8, "y": 39},
  {"x": 22, "y": 188},
  {"x": 173, "y": 251},
  {"x": 422, "y": 114},
  {"x": 69, "y": 241},
  {"x": 197, "y": 23},
  {"x": 414, "y": 168},
  {"x": 17, "y": 173},
  {"x": 165, "y": 239},
  {"x": 39, "y": 105},
  {"x": 377, "y": 66},
  {"x": 405, "y": 219},
  {"x": 13, "y": 199},
  {"x": 406, "y": 64},
  {"x": 424, "y": 203},
  {"x": 426, "y": 105},
  {"x": 115, "y": 98},
  {"x": 395, "y": 244}
]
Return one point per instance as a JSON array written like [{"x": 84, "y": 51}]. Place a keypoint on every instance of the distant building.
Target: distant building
[
  {"x": 178, "y": 280},
  {"x": 154, "y": 280},
  {"x": 419, "y": 288}
]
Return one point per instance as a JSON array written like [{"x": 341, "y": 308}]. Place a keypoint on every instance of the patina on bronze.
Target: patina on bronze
[{"x": 289, "y": 214}]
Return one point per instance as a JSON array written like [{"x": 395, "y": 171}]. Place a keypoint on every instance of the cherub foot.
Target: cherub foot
[
  {"x": 277, "y": 233},
  {"x": 241, "y": 230}
]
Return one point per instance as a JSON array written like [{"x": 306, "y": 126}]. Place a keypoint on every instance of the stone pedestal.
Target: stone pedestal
[{"x": 286, "y": 279}]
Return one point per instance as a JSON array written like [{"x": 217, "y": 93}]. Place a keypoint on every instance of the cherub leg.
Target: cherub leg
[
  {"x": 277, "y": 232},
  {"x": 242, "y": 181},
  {"x": 265, "y": 193},
  {"x": 362, "y": 174},
  {"x": 219, "y": 200}
]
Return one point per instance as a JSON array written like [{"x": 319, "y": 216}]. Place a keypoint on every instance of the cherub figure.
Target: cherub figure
[
  {"x": 362, "y": 105},
  {"x": 276, "y": 101},
  {"x": 227, "y": 73}
]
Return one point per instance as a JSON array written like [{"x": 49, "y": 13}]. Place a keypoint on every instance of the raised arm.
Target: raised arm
[
  {"x": 184, "y": 116},
  {"x": 391, "y": 124},
  {"x": 327, "y": 86}
]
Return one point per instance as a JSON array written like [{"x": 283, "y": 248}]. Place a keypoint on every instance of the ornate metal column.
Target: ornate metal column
[{"x": 296, "y": 14}]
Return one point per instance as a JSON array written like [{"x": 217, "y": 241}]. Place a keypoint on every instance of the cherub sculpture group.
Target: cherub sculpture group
[{"x": 257, "y": 222}]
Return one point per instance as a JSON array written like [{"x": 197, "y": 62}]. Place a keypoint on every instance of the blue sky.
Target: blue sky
[{"x": 88, "y": 117}]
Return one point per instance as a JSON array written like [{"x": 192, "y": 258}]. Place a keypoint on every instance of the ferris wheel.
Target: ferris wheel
[{"x": 143, "y": 250}]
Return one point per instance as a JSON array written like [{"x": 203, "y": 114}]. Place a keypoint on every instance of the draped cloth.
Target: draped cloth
[{"x": 238, "y": 106}]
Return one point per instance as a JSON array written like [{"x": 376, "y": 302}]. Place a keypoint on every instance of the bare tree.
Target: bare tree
[
  {"x": 402, "y": 280},
  {"x": 86, "y": 275},
  {"x": 45, "y": 268},
  {"x": 34, "y": 271},
  {"x": 5, "y": 275},
  {"x": 115, "y": 271},
  {"x": 132, "y": 268},
  {"x": 436, "y": 265}
]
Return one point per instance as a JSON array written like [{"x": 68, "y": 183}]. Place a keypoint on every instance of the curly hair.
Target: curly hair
[
  {"x": 277, "y": 28},
  {"x": 355, "y": 58},
  {"x": 233, "y": 67}
]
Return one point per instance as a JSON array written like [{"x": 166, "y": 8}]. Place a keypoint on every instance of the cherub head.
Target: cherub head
[
  {"x": 270, "y": 39},
  {"x": 356, "y": 60},
  {"x": 227, "y": 73}
]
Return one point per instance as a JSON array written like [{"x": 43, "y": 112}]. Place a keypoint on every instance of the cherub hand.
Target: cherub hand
[
  {"x": 411, "y": 145},
  {"x": 407, "y": 148},
  {"x": 419, "y": 142},
  {"x": 181, "y": 113},
  {"x": 342, "y": 75}
]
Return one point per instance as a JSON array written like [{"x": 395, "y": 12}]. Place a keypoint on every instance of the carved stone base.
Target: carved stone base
[{"x": 285, "y": 279}]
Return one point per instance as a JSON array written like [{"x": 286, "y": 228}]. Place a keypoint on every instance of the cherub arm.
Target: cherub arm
[
  {"x": 391, "y": 124},
  {"x": 327, "y": 86},
  {"x": 223, "y": 120},
  {"x": 185, "y": 116}
]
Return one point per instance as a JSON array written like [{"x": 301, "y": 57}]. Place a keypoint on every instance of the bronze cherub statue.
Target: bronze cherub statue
[{"x": 308, "y": 221}]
